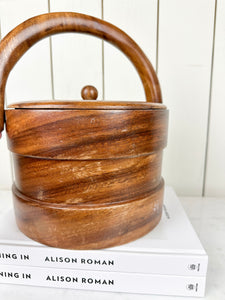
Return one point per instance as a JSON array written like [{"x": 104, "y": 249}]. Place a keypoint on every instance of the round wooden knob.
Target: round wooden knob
[{"x": 89, "y": 92}]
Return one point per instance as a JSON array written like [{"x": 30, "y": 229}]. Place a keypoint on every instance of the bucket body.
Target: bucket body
[
  {"x": 87, "y": 173},
  {"x": 87, "y": 178}
]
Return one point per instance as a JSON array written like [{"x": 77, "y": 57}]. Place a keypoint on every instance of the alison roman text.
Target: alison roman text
[
  {"x": 83, "y": 280},
  {"x": 74, "y": 260}
]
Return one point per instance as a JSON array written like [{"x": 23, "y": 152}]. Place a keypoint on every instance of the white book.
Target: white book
[
  {"x": 104, "y": 281},
  {"x": 172, "y": 248}
]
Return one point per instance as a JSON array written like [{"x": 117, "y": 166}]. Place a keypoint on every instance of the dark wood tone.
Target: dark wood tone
[
  {"x": 86, "y": 134},
  {"x": 89, "y": 92},
  {"x": 87, "y": 173},
  {"x": 88, "y": 226},
  {"x": 25, "y": 35}
]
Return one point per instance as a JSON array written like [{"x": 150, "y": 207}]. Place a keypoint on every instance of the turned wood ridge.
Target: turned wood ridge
[{"x": 25, "y": 35}]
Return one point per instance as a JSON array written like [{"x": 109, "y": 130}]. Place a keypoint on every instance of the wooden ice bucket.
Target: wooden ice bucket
[{"x": 87, "y": 173}]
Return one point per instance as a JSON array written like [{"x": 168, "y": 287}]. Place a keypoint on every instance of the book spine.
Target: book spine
[
  {"x": 104, "y": 281},
  {"x": 102, "y": 260}
]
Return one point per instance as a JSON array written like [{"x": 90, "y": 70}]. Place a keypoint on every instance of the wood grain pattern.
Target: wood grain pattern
[
  {"x": 100, "y": 181},
  {"x": 88, "y": 173},
  {"x": 82, "y": 168},
  {"x": 86, "y": 133},
  {"x": 88, "y": 227}
]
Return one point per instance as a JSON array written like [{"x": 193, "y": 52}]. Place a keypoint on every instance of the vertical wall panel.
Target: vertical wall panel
[
  {"x": 77, "y": 58},
  {"x": 30, "y": 79},
  {"x": 215, "y": 172},
  {"x": 139, "y": 20},
  {"x": 185, "y": 50}
]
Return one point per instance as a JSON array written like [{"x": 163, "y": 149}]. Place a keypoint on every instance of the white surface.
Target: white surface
[
  {"x": 185, "y": 49},
  {"x": 215, "y": 175},
  {"x": 208, "y": 218}
]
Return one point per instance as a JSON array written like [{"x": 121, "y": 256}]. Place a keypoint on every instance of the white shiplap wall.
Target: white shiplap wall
[
  {"x": 177, "y": 36},
  {"x": 184, "y": 68},
  {"x": 121, "y": 80}
]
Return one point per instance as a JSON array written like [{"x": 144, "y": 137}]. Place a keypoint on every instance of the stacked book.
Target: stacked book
[{"x": 170, "y": 260}]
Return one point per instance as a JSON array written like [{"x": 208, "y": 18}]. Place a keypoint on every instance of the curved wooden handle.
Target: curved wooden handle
[{"x": 25, "y": 35}]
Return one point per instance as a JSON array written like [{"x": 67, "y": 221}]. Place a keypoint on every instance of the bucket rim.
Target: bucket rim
[{"x": 87, "y": 105}]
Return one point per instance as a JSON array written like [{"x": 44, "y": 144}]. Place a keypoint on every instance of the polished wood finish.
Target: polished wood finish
[
  {"x": 98, "y": 164},
  {"x": 25, "y": 35},
  {"x": 86, "y": 133},
  {"x": 88, "y": 226},
  {"x": 87, "y": 166},
  {"x": 89, "y": 92},
  {"x": 87, "y": 173},
  {"x": 99, "y": 181}
]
